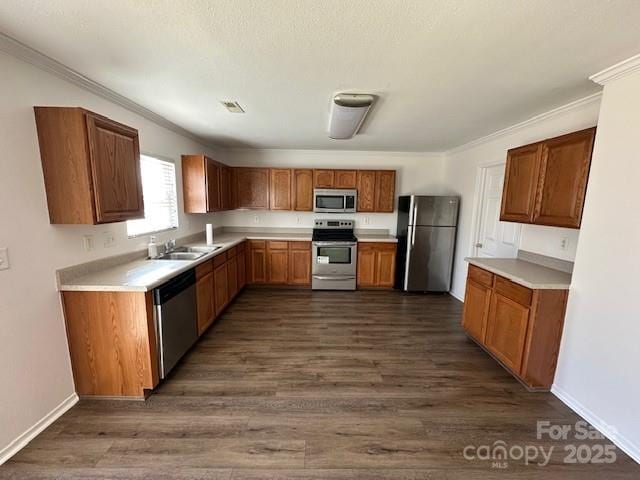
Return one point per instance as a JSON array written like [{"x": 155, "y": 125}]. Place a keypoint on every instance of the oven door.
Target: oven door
[{"x": 334, "y": 258}]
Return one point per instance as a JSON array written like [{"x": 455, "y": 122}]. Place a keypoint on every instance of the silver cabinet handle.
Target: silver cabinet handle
[{"x": 329, "y": 277}]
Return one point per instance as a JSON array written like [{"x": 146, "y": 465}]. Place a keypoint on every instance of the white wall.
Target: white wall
[
  {"x": 35, "y": 370},
  {"x": 461, "y": 174},
  {"x": 419, "y": 173},
  {"x": 599, "y": 357}
]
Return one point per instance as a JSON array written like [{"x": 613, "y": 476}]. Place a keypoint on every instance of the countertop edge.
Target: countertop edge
[
  {"x": 519, "y": 280},
  {"x": 72, "y": 287}
]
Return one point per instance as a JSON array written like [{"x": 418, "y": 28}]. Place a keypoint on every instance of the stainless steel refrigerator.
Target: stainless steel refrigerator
[{"x": 426, "y": 242}]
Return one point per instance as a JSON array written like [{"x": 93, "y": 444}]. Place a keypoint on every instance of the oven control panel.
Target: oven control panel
[{"x": 330, "y": 223}]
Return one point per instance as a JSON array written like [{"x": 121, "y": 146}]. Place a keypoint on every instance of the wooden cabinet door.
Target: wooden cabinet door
[
  {"x": 345, "y": 178},
  {"x": 277, "y": 262},
  {"x": 205, "y": 302},
  {"x": 257, "y": 262},
  {"x": 302, "y": 190},
  {"x": 220, "y": 288},
  {"x": 232, "y": 277},
  {"x": 507, "y": 330},
  {"x": 477, "y": 300},
  {"x": 213, "y": 185},
  {"x": 280, "y": 189},
  {"x": 114, "y": 153},
  {"x": 242, "y": 270},
  {"x": 323, "y": 178},
  {"x": 385, "y": 266},
  {"x": 520, "y": 183},
  {"x": 385, "y": 191},
  {"x": 564, "y": 171},
  {"x": 300, "y": 263},
  {"x": 366, "y": 185},
  {"x": 252, "y": 187},
  {"x": 366, "y": 267},
  {"x": 225, "y": 188}
]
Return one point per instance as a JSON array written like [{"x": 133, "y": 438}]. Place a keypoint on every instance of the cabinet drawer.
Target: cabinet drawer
[
  {"x": 367, "y": 247},
  {"x": 219, "y": 259},
  {"x": 203, "y": 269},
  {"x": 232, "y": 252},
  {"x": 257, "y": 244},
  {"x": 278, "y": 245},
  {"x": 299, "y": 245},
  {"x": 480, "y": 276},
  {"x": 515, "y": 292}
]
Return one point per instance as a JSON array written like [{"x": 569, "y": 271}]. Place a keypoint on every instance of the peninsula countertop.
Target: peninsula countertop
[
  {"x": 528, "y": 274},
  {"x": 143, "y": 274}
]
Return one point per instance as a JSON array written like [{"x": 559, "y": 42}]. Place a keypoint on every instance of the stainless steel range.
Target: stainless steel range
[{"x": 335, "y": 251}]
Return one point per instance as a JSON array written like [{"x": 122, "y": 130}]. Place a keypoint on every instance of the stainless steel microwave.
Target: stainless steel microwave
[{"x": 334, "y": 200}]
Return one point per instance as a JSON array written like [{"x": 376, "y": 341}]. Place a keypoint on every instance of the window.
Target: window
[{"x": 160, "y": 199}]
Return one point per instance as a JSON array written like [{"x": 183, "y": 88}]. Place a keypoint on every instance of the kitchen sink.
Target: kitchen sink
[
  {"x": 181, "y": 255},
  {"x": 189, "y": 253}
]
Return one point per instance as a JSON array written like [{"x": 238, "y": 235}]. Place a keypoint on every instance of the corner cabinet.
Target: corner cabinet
[
  {"x": 545, "y": 183},
  {"x": 519, "y": 327},
  {"x": 91, "y": 167},
  {"x": 205, "y": 184}
]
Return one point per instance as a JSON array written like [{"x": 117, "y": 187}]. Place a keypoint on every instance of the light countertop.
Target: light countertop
[
  {"x": 142, "y": 275},
  {"x": 528, "y": 274}
]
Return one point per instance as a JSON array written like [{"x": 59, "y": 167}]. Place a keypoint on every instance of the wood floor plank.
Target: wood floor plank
[{"x": 296, "y": 384}]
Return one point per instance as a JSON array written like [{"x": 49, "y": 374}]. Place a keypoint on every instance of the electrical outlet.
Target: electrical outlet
[
  {"x": 108, "y": 239},
  {"x": 256, "y": 219},
  {"x": 366, "y": 220},
  {"x": 298, "y": 220},
  {"x": 564, "y": 243},
  {"x": 88, "y": 243},
  {"x": 4, "y": 258}
]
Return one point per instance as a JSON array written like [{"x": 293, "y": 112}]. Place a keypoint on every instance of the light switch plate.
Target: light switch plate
[
  {"x": 109, "y": 240},
  {"x": 4, "y": 258},
  {"x": 87, "y": 243}
]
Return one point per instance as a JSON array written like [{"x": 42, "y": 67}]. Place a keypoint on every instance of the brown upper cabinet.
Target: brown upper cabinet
[
  {"x": 366, "y": 185},
  {"x": 280, "y": 189},
  {"x": 545, "y": 183},
  {"x": 345, "y": 178},
  {"x": 385, "y": 191},
  {"x": 91, "y": 166},
  {"x": 323, "y": 178},
  {"x": 211, "y": 186},
  {"x": 201, "y": 184},
  {"x": 302, "y": 190},
  {"x": 252, "y": 187}
]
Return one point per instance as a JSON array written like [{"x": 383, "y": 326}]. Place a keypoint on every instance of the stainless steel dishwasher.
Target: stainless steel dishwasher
[{"x": 175, "y": 319}]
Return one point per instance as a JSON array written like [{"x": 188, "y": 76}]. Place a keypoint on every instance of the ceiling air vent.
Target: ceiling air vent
[{"x": 233, "y": 107}]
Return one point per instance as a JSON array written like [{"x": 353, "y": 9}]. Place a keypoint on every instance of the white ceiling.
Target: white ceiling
[{"x": 446, "y": 71}]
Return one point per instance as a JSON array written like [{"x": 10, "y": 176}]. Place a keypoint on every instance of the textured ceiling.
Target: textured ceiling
[{"x": 446, "y": 72}]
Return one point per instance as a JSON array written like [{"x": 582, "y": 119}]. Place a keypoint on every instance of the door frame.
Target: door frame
[{"x": 476, "y": 219}]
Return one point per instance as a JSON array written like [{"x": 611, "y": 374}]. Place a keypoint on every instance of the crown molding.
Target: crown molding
[
  {"x": 617, "y": 71},
  {"x": 27, "y": 54},
  {"x": 593, "y": 98}
]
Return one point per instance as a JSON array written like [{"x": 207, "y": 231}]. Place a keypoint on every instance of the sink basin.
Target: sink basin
[
  {"x": 181, "y": 255},
  {"x": 199, "y": 249}
]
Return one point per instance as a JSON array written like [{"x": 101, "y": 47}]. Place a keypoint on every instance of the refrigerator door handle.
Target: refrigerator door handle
[{"x": 413, "y": 236}]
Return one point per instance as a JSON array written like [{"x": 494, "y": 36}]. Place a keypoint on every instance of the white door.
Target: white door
[{"x": 495, "y": 238}]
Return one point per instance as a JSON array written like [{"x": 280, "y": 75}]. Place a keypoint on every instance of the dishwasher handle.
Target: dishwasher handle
[{"x": 173, "y": 287}]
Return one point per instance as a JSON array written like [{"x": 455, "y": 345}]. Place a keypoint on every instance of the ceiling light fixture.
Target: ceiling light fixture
[
  {"x": 348, "y": 111},
  {"x": 232, "y": 106}
]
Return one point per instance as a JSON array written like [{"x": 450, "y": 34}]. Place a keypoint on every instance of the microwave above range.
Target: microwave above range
[{"x": 334, "y": 200}]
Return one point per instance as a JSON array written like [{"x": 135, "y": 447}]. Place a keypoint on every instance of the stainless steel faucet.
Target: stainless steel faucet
[{"x": 170, "y": 245}]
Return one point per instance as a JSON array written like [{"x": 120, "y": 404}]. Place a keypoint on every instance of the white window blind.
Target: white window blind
[{"x": 160, "y": 199}]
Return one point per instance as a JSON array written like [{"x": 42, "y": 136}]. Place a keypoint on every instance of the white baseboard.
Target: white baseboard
[
  {"x": 456, "y": 296},
  {"x": 19, "y": 443},
  {"x": 620, "y": 441}
]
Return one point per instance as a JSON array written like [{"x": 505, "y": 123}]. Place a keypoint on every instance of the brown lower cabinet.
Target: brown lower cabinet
[
  {"x": 519, "y": 327},
  {"x": 278, "y": 262},
  {"x": 376, "y": 264}
]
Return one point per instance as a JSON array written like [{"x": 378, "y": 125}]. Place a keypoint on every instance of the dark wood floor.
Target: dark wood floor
[{"x": 291, "y": 384}]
